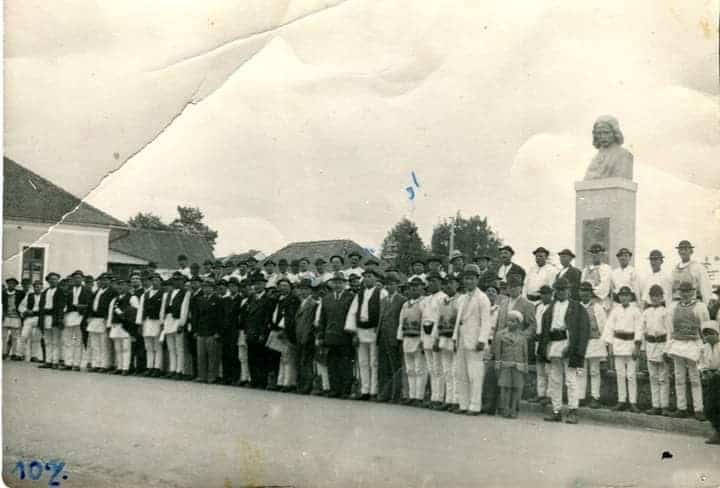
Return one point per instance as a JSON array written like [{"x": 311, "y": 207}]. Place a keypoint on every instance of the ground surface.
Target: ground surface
[{"x": 128, "y": 431}]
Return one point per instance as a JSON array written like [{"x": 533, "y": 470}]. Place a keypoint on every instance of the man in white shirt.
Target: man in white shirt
[
  {"x": 320, "y": 271},
  {"x": 355, "y": 267},
  {"x": 689, "y": 270},
  {"x": 624, "y": 275},
  {"x": 418, "y": 270},
  {"x": 430, "y": 337},
  {"x": 305, "y": 273},
  {"x": 540, "y": 274},
  {"x": 183, "y": 265},
  {"x": 598, "y": 273},
  {"x": 656, "y": 276}
]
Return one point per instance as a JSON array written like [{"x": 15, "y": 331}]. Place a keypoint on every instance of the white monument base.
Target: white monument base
[{"x": 605, "y": 211}]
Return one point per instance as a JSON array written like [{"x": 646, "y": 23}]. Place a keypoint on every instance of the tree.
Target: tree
[
  {"x": 190, "y": 221},
  {"x": 147, "y": 220},
  {"x": 402, "y": 245},
  {"x": 473, "y": 237}
]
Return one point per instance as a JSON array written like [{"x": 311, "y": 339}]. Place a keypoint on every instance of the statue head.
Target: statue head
[{"x": 606, "y": 132}]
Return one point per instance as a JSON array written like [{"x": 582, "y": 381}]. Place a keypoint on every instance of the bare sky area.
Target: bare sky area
[{"x": 288, "y": 121}]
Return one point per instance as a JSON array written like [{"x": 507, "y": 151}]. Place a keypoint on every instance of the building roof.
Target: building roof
[
  {"x": 163, "y": 247},
  {"x": 243, "y": 256},
  {"x": 320, "y": 249},
  {"x": 30, "y": 197}
]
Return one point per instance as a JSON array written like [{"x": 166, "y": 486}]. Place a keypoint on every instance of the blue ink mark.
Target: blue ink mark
[
  {"x": 57, "y": 467},
  {"x": 64, "y": 476},
  {"x": 19, "y": 466},
  {"x": 414, "y": 177},
  {"x": 411, "y": 192},
  {"x": 36, "y": 470}
]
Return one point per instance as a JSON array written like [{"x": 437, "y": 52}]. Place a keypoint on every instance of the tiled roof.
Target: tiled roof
[
  {"x": 320, "y": 249},
  {"x": 163, "y": 247},
  {"x": 28, "y": 196}
]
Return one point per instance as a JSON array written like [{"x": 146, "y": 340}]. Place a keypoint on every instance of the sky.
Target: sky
[{"x": 304, "y": 120}]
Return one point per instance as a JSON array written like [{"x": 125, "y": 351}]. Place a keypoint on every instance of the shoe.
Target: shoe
[
  {"x": 700, "y": 417},
  {"x": 45, "y": 366},
  {"x": 595, "y": 403},
  {"x": 272, "y": 387},
  {"x": 406, "y": 401},
  {"x": 680, "y": 414},
  {"x": 473, "y": 413},
  {"x": 620, "y": 407},
  {"x": 665, "y": 412},
  {"x": 653, "y": 411},
  {"x": 76, "y": 368},
  {"x": 55, "y": 366},
  {"x": 634, "y": 408},
  {"x": 125, "y": 373},
  {"x": 714, "y": 439},
  {"x": 453, "y": 407},
  {"x": 571, "y": 417},
  {"x": 553, "y": 417},
  {"x": 35, "y": 360}
]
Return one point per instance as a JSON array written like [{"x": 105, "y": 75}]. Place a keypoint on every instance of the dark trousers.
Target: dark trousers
[
  {"x": 389, "y": 370},
  {"x": 230, "y": 360},
  {"x": 340, "y": 369},
  {"x": 138, "y": 361},
  {"x": 207, "y": 366},
  {"x": 711, "y": 388},
  {"x": 263, "y": 362},
  {"x": 306, "y": 375},
  {"x": 491, "y": 390},
  {"x": 191, "y": 349}
]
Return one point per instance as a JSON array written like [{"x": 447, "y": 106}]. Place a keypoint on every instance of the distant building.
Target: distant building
[
  {"x": 320, "y": 249},
  {"x": 236, "y": 258},
  {"x": 46, "y": 228}
]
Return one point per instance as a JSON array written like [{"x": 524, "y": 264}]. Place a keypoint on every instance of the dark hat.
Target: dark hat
[
  {"x": 455, "y": 255},
  {"x": 655, "y": 254},
  {"x": 137, "y": 273},
  {"x": 545, "y": 290},
  {"x": 392, "y": 278},
  {"x": 625, "y": 290},
  {"x": 372, "y": 261},
  {"x": 508, "y": 249},
  {"x": 686, "y": 286},
  {"x": 283, "y": 279},
  {"x": 269, "y": 261},
  {"x": 52, "y": 273},
  {"x": 218, "y": 263},
  {"x": 541, "y": 249},
  {"x": 354, "y": 276},
  {"x": 258, "y": 278},
  {"x": 656, "y": 290},
  {"x": 152, "y": 264},
  {"x": 228, "y": 264},
  {"x": 471, "y": 269},
  {"x": 282, "y": 261},
  {"x": 372, "y": 272},
  {"x": 11, "y": 280},
  {"x": 303, "y": 259},
  {"x": 208, "y": 261},
  {"x": 596, "y": 248},
  {"x": 684, "y": 245},
  {"x": 88, "y": 277},
  {"x": 434, "y": 259},
  {"x": 76, "y": 273},
  {"x": 566, "y": 252},
  {"x": 104, "y": 276},
  {"x": 416, "y": 280},
  {"x": 319, "y": 261},
  {"x": 342, "y": 259},
  {"x": 181, "y": 257},
  {"x": 433, "y": 275},
  {"x": 152, "y": 276},
  {"x": 337, "y": 276},
  {"x": 355, "y": 253},
  {"x": 561, "y": 284},
  {"x": 586, "y": 286},
  {"x": 305, "y": 283},
  {"x": 623, "y": 250},
  {"x": 418, "y": 261},
  {"x": 233, "y": 280},
  {"x": 295, "y": 262}
]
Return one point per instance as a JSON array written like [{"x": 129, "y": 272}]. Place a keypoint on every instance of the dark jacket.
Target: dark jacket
[
  {"x": 124, "y": 313},
  {"x": 286, "y": 309},
  {"x": 578, "y": 330},
  {"x": 84, "y": 301},
  {"x": 103, "y": 303},
  {"x": 305, "y": 321},
  {"x": 333, "y": 313},
  {"x": 19, "y": 295},
  {"x": 208, "y": 314},
  {"x": 256, "y": 318},
  {"x": 515, "y": 269},
  {"x": 573, "y": 275},
  {"x": 230, "y": 320},
  {"x": 58, "y": 309},
  {"x": 390, "y": 309}
]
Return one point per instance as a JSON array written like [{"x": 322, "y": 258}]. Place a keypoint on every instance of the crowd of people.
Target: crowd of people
[{"x": 472, "y": 331}]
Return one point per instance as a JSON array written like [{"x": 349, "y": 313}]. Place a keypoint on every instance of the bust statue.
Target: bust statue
[{"x": 612, "y": 160}]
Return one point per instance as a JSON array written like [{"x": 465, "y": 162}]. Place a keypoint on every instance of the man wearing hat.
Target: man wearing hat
[
  {"x": 269, "y": 271},
  {"x": 446, "y": 327},
  {"x": 410, "y": 323},
  {"x": 623, "y": 332},
  {"x": 569, "y": 272},
  {"x": 507, "y": 267},
  {"x": 596, "y": 351},
  {"x": 563, "y": 341},
  {"x": 207, "y": 315},
  {"x": 183, "y": 266},
  {"x": 11, "y": 326},
  {"x": 226, "y": 344},
  {"x": 434, "y": 264},
  {"x": 418, "y": 270},
  {"x": 471, "y": 336},
  {"x": 624, "y": 275},
  {"x": 174, "y": 312},
  {"x": 320, "y": 270},
  {"x": 355, "y": 257},
  {"x": 362, "y": 320},
  {"x": 79, "y": 300},
  {"x": 122, "y": 315},
  {"x": 283, "y": 325},
  {"x": 389, "y": 351},
  {"x": 31, "y": 337},
  {"x": 98, "y": 341},
  {"x": 541, "y": 370},
  {"x": 305, "y": 332},
  {"x": 332, "y": 334},
  {"x": 655, "y": 276},
  {"x": 656, "y": 332},
  {"x": 246, "y": 290},
  {"x": 52, "y": 306},
  {"x": 598, "y": 273},
  {"x": 430, "y": 336},
  {"x": 689, "y": 270},
  {"x": 304, "y": 271},
  {"x": 255, "y": 320},
  {"x": 150, "y": 321},
  {"x": 540, "y": 274},
  {"x": 685, "y": 348},
  {"x": 710, "y": 369},
  {"x": 457, "y": 264}
]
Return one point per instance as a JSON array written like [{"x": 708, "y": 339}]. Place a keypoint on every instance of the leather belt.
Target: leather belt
[
  {"x": 656, "y": 339},
  {"x": 558, "y": 335},
  {"x": 624, "y": 336}
]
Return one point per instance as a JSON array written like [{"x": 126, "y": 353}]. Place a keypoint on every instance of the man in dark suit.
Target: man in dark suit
[
  {"x": 256, "y": 322},
  {"x": 12, "y": 324},
  {"x": 79, "y": 300},
  {"x": 389, "y": 348},
  {"x": 229, "y": 332},
  {"x": 305, "y": 332},
  {"x": 570, "y": 273},
  {"x": 563, "y": 340},
  {"x": 507, "y": 267},
  {"x": 331, "y": 334},
  {"x": 52, "y": 308},
  {"x": 207, "y": 313}
]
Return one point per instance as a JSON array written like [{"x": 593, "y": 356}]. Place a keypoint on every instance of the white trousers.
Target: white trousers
[
  {"x": 469, "y": 376},
  {"x": 287, "y": 374},
  {"x": 153, "y": 353},
  {"x": 416, "y": 374},
  {"x": 244, "y": 364},
  {"x": 324, "y": 377},
  {"x": 447, "y": 359},
  {"x": 72, "y": 345},
  {"x": 437, "y": 379},
  {"x": 11, "y": 335},
  {"x": 592, "y": 369},
  {"x": 626, "y": 375},
  {"x": 542, "y": 370},
  {"x": 368, "y": 365},
  {"x": 683, "y": 369},
  {"x": 659, "y": 383},
  {"x": 30, "y": 338},
  {"x": 123, "y": 347},
  {"x": 53, "y": 345},
  {"x": 176, "y": 351},
  {"x": 559, "y": 368},
  {"x": 99, "y": 350}
]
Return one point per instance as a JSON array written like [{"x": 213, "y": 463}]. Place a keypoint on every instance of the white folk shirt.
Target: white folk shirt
[
  {"x": 409, "y": 344},
  {"x": 599, "y": 277},
  {"x": 538, "y": 277},
  {"x": 626, "y": 276},
  {"x": 661, "y": 278},
  {"x": 503, "y": 270},
  {"x": 366, "y": 336},
  {"x": 623, "y": 319},
  {"x": 710, "y": 358},
  {"x": 539, "y": 311},
  {"x": 49, "y": 296},
  {"x": 150, "y": 293},
  {"x": 431, "y": 317},
  {"x": 558, "y": 323},
  {"x": 96, "y": 300},
  {"x": 73, "y": 319},
  {"x": 655, "y": 323},
  {"x": 596, "y": 348}
]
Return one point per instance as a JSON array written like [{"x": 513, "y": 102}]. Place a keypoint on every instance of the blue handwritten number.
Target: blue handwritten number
[
  {"x": 57, "y": 468},
  {"x": 415, "y": 180},
  {"x": 35, "y": 474},
  {"x": 21, "y": 467},
  {"x": 411, "y": 192}
]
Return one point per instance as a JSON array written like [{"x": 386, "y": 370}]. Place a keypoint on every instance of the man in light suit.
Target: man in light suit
[{"x": 471, "y": 335}]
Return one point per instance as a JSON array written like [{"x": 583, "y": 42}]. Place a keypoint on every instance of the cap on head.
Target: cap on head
[
  {"x": 455, "y": 255},
  {"x": 471, "y": 270},
  {"x": 625, "y": 290},
  {"x": 338, "y": 276},
  {"x": 508, "y": 249},
  {"x": 342, "y": 259},
  {"x": 585, "y": 286},
  {"x": 655, "y": 254},
  {"x": 433, "y": 275},
  {"x": 566, "y": 252},
  {"x": 372, "y": 262},
  {"x": 596, "y": 249},
  {"x": 11, "y": 280},
  {"x": 416, "y": 281},
  {"x": 319, "y": 261},
  {"x": 541, "y": 250},
  {"x": 623, "y": 250},
  {"x": 710, "y": 325},
  {"x": 434, "y": 259},
  {"x": 355, "y": 253},
  {"x": 684, "y": 245}
]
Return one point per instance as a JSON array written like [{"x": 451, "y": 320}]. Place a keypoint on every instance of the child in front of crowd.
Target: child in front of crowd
[
  {"x": 511, "y": 361},
  {"x": 656, "y": 332},
  {"x": 710, "y": 370}
]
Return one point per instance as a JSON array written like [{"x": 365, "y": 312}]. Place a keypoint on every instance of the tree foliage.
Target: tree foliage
[
  {"x": 402, "y": 245},
  {"x": 148, "y": 220},
  {"x": 189, "y": 220},
  {"x": 473, "y": 237}
]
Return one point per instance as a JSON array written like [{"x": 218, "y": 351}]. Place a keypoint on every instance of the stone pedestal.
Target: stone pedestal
[{"x": 605, "y": 212}]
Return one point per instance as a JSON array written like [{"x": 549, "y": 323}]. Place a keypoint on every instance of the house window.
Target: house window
[{"x": 33, "y": 263}]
